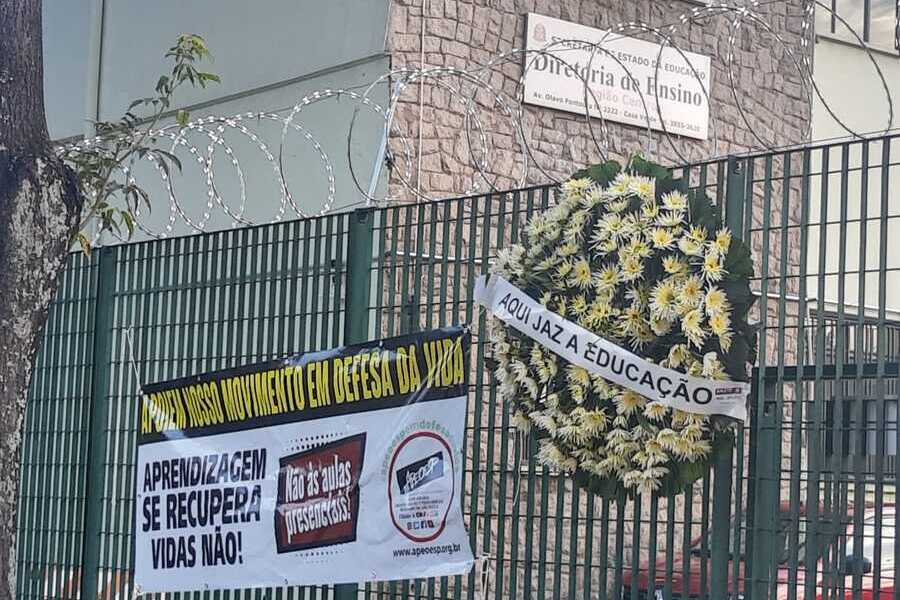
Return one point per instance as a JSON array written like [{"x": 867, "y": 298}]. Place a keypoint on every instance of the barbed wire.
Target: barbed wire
[{"x": 482, "y": 105}]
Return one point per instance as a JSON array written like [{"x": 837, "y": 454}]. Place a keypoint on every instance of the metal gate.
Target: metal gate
[{"x": 807, "y": 495}]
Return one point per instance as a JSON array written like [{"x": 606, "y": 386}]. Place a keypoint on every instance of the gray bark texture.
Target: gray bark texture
[{"x": 39, "y": 210}]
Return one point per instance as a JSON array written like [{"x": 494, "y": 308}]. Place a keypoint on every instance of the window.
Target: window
[{"x": 875, "y": 21}]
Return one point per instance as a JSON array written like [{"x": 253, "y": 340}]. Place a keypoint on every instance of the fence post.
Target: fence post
[
  {"x": 99, "y": 411},
  {"x": 723, "y": 466},
  {"x": 356, "y": 308}
]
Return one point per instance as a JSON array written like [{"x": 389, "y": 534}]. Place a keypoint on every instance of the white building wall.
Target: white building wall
[
  {"x": 852, "y": 89},
  {"x": 102, "y": 54}
]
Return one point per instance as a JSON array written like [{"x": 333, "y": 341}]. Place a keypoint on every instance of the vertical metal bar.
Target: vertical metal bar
[
  {"x": 816, "y": 436},
  {"x": 670, "y": 548},
  {"x": 573, "y": 537},
  {"x": 503, "y": 432},
  {"x": 652, "y": 543},
  {"x": 765, "y": 406},
  {"x": 723, "y": 465},
  {"x": 604, "y": 549},
  {"x": 880, "y": 373},
  {"x": 620, "y": 545},
  {"x": 839, "y": 431},
  {"x": 558, "y": 537},
  {"x": 636, "y": 504},
  {"x": 96, "y": 473},
  {"x": 356, "y": 308}
]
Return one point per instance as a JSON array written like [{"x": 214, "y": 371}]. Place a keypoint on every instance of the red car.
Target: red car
[{"x": 826, "y": 581}]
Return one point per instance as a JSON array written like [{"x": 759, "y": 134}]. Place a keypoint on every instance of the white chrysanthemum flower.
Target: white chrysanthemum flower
[
  {"x": 608, "y": 247},
  {"x": 678, "y": 354},
  {"x": 599, "y": 313},
  {"x": 618, "y": 206},
  {"x": 594, "y": 422},
  {"x": 608, "y": 278},
  {"x": 578, "y": 375},
  {"x": 631, "y": 322},
  {"x": 551, "y": 456},
  {"x": 602, "y": 388},
  {"x": 662, "y": 237},
  {"x": 563, "y": 269},
  {"x": 536, "y": 356},
  {"x": 670, "y": 218},
  {"x": 712, "y": 366},
  {"x": 650, "y": 210},
  {"x": 593, "y": 198},
  {"x": 642, "y": 187},
  {"x": 544, "y": 422},
  {"x": 675, "y": 201},
  {"x": 664, "y": 300},
  {"x": 674, "y": 265},
  {"x": 572, "y": 434},
  {"x": 613, "y": 464},
  {"x": 546, "y": 264},
  {"x": 632, "y": 268},
  {"x": 690, "y": 247},
  {"x": 713, "y": 267},
  {"x": 581, "y": 276},
  {"x": 567, "y": 250},
  {"x": 716, "y": 302},
  {"x": 723, "y": 241},
  {"x": 509, "y": 260},
  {"x": 697, "y": 234},
  {"x": 627, "y": 402},
  {"x": 551, "y": 401},
  {"x": 620, "y": 185},
  {"x": 725, "y": 340},
  {"x": 577, "y": 187},
  {"x": 637, "y": 248},
  {"x": 660, "y": 327},
  {"x": 690, "y": 294},
  {"x": 579, "y": 305},
  {"x": 656, "y": 411},
  {"x": 519, "y": 370},
  {"x": 691, "y": 325},
  {"x": 611, "y": 225},
  {"x": 508, "y": 390},
  {"x": 695, "y": 368}
]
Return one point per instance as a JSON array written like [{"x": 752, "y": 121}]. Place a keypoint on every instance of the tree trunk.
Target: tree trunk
[{"x": 39, "y": 209}]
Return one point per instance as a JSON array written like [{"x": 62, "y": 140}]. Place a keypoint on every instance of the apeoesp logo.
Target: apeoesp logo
[{"x": 418, "y": 473}]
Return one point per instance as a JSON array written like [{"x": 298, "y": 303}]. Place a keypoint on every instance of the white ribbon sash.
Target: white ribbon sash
[{"x": 602, "y": 357}]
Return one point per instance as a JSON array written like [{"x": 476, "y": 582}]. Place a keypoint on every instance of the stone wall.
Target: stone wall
[{"x": 465, "y": 33}]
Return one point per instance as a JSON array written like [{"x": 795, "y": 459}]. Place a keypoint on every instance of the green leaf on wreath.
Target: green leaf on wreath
[
  {"x": 738, "y": 261},
  {"x": 704, "y": 214},
  {"x": 641, "y": 166},
  {"x": 601, "y": 174}
]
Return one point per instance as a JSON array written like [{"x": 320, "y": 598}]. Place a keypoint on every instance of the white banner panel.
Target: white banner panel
[
  {"x": 618, "y": 76},
  {"x": 330, "y": 467},
  {"x": 612, "y": 362}
]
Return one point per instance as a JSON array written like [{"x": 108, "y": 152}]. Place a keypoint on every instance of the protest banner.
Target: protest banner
[
  {"x": 599, "y": 356},
  {"x": 328, "y": 467}
]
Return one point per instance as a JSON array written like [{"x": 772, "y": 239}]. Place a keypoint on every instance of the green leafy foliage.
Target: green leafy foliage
[
  {"x": 111, "y": 196},
  {"x": 602, "y": 174}
]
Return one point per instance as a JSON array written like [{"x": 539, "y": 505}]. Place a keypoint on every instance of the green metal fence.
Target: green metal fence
[{"x": 774, "y": 520}]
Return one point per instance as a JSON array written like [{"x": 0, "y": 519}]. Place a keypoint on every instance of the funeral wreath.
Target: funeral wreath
[{"x": 641, "y": 260}]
